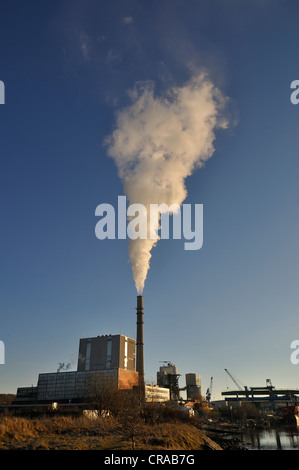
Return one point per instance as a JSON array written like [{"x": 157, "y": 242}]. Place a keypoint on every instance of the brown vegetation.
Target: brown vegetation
[
  {"x": 6, "y": 398},
  {"x": 119, "y": 420},
  {"x": 81, "y": 433}
]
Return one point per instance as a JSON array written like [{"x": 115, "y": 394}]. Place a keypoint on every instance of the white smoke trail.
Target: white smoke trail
[{"x": 157, "y": 143}]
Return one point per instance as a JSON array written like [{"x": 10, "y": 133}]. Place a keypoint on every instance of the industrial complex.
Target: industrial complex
[
  {"x": 108, "y": 361},
  {"x": 117, "y": 361}
]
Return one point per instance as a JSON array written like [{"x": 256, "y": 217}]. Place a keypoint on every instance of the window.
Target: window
[{"x": 87, "y": 354}]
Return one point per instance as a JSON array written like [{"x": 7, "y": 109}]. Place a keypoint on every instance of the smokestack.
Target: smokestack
[{"x": 139, "y": 342}]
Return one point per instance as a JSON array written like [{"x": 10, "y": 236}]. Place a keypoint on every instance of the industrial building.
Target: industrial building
[
  {"x": 102, "y": 361},
  {"x": 193, "y": 386},
  {"x": 106, "y": 352},
  {"x": 154, "y": 393},
  {"x": 168, "y": 377},
  {"x": 108, "y": 361}
]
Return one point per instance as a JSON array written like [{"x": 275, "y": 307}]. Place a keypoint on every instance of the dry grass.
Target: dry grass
[
  {"x": 66, "y": 433},
  {"x": 173, "y": 436}
]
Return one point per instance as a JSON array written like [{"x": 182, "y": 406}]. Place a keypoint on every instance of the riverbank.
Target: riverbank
[
  {"x": 265, "y": 433},
  {"x": 80, "y": 433}
]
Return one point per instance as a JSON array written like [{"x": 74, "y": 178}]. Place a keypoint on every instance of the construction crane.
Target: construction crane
[
  {"x": 269, "y": 383},
  {"x": 209, "y": 391},
  {"x": 233, "y": 379}
]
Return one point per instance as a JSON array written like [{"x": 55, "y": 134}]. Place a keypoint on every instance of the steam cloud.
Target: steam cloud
[
  {"x": 63, "y": 366},
  {"x": 157, "y": 143}
]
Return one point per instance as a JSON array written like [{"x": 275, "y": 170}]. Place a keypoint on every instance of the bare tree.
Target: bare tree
[
  {"x": 102, "y": 393},
  {"x": 130, "y": 417}
]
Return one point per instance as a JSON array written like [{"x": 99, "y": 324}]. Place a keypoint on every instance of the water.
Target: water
[{"x": 281, "y": 438}]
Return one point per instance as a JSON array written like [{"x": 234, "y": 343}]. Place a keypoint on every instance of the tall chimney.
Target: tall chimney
[{"x": 139, "y": 342}]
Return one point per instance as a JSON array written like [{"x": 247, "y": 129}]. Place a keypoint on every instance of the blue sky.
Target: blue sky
[{"x": 67, "y": 67}]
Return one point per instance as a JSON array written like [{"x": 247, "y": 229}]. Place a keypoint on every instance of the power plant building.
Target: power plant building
[
  {"x": 115, "y": 361},
  {"x": 193, "y": 386},
  {"x": 106, "y": 352},
  {"x": 168, "y": 377},
  {"x": 102, "y": 361},
  {"x": 77, "y": 386}
]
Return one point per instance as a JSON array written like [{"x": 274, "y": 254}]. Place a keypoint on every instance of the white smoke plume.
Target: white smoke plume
[{"x": 157, "y": 143}]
